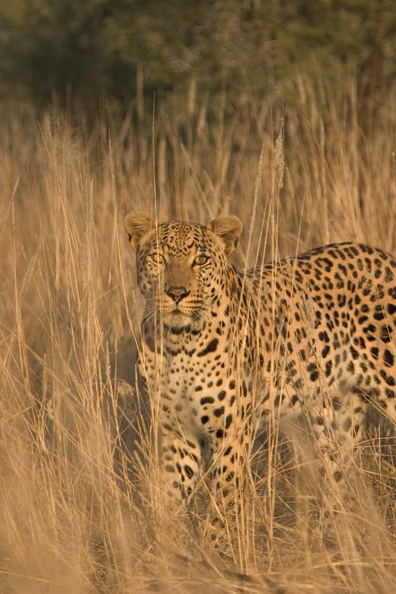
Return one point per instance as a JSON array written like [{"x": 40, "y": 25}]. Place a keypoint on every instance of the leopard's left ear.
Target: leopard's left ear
[
  {"x": 228, "y": 229},
  {"x": 138, "y": 226}
]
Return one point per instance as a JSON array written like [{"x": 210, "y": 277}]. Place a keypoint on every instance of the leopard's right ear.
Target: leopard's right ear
[
  {"x": 228, "y": 228},
  {"x": 138, "y": 225}
]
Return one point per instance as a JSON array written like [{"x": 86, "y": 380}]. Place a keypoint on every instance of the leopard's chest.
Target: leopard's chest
[{"x": 193, "y": 383}]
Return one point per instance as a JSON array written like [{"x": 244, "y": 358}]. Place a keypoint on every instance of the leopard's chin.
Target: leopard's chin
[{"x": 179, "y": 319}]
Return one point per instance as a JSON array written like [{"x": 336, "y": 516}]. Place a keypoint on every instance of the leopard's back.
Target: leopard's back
[{"x": 327, "y": 321}]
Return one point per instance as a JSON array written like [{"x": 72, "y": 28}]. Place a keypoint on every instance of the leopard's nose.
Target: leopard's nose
[{"x": 177, "y": 293}]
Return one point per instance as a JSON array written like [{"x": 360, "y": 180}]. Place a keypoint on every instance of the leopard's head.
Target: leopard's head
[{"x": 182, "y": 268}]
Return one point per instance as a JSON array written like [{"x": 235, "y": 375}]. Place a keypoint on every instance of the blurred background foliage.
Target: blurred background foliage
[{"x": 90, "y": 49}]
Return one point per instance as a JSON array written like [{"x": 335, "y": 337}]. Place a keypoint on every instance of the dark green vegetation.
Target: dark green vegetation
[{"x": 91, "y": 48}]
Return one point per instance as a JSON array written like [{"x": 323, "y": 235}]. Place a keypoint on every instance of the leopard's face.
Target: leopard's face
[{"x": 182, "y": 270}]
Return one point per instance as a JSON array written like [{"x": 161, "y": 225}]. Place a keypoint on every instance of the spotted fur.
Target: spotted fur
[{"x": 219, "y": 349}]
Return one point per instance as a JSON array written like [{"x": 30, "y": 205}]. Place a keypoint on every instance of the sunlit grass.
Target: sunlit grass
[{"x": 80, "y": 505}]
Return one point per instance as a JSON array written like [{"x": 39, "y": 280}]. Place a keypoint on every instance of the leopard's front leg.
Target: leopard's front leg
[
  {"x": 180, "y": 462},
  {"x": 229, "y": 451}
]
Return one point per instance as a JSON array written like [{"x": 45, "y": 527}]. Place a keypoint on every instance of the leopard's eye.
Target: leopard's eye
[
  {"x": 158, "y": 258},
  {"x": 201, "y": 260}
]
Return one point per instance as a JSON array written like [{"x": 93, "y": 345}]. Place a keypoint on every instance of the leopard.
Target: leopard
[{"x": 223, "y": 350}]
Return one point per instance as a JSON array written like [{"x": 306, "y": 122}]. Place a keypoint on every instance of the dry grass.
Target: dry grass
[{"x": 80, "y": 509}]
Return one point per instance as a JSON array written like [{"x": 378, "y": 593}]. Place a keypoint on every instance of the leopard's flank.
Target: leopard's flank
[{"x": 220, "y": 349}]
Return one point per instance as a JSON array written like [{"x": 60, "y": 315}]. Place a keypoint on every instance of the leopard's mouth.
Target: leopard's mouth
[
  {"x": 177, "y": 318},
  {"x": 177, "y": 313},
  {"x": 165, "y": 311},
  {"x": 181, "y": 313}
]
